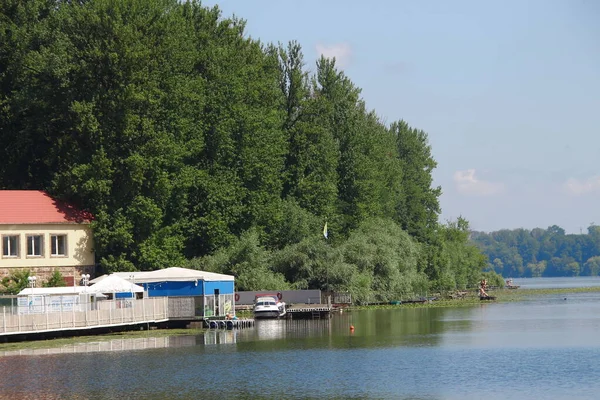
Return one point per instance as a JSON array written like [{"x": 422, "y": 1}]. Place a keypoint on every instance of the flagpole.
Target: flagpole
[{"x": 326, "y": 235}]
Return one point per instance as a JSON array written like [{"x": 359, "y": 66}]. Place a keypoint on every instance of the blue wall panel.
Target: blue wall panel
[
  {"x": 225, "y": 287},
  {"x": 187, "y": 288}
]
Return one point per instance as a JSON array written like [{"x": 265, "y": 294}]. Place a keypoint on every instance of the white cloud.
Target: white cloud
[
  {"x": 578, "y": 187},
  {"x": 341, "y": 51},
  {"x": 467, "y": 183}
]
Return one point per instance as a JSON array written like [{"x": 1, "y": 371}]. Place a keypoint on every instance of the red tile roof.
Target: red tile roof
[{"x": 37, "y": 207}]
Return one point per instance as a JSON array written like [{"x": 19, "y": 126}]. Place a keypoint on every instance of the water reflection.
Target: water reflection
[
  {"x": 218, "y": 337},
  {"x": 288, "y": 329},
  {"x": 550, "y": 321},
  {"x": 372, "y": 328},
  {"x": 213, "y": 337},
  {"x": 122, "y": 344}
]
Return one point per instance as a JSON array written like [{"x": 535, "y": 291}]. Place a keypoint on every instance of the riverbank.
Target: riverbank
[
  {"x": 469, "y": 300},
  {"x": 472, "y": 298}
]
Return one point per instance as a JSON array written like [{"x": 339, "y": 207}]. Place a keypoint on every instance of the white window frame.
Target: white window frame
[
  {"x": 30, "y": 240},
  {"x": 54, "y": 244},
  {"x": 6, "y": 245}
]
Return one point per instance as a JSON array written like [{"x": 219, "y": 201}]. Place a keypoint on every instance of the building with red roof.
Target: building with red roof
[{"x": 42, "y": 234}]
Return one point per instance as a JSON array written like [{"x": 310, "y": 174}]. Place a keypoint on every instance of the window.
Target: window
[
  {"x": 10, "y": 246},
  {"x": 35, "y": 245},
  {"x": 58, "y": 244}
]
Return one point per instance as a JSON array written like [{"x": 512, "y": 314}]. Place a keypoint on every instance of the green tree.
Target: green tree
[
  {"x": 592, "y": 266},
  {"x": 193, "y": 144},
  {"x": 15, "y": 282},
  {"x": 55, "y": 280},
  {"x": 418, "y": 207}
]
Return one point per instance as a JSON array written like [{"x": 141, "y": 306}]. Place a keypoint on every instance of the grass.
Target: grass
[{"x": 472, "y": 298}]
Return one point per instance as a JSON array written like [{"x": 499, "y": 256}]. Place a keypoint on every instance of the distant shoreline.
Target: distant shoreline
[{"x": 472, "y": 298}]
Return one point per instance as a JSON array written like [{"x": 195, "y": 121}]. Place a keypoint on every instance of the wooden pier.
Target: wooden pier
[
  {"x": 308, "y": 311},
  {"x": 23, "y": 326}
]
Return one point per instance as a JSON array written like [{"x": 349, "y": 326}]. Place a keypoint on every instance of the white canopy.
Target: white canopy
[
  {"x": 49, "y": 291},
  {"x": 173, "y": 274},
  {"x": 115, "y": 284}
]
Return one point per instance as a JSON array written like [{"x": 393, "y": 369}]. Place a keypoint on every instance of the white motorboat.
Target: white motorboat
[{"x": 268, "y": 306}]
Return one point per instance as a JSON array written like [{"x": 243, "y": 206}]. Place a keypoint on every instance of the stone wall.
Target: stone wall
[{"x": 70, "y": 274}]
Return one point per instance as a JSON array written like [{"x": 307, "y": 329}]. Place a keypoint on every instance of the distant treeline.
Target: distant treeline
[
  {"x": 541, "y": 252},
  {"x": 195, "y": 145}
]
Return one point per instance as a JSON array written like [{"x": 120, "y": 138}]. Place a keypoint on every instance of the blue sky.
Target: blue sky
[{"x": 508, "y": 92}]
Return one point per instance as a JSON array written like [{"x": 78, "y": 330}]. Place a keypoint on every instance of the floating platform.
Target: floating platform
[
  {"x": 229, "y": 323},
  {"x": 308, "y": 311}
]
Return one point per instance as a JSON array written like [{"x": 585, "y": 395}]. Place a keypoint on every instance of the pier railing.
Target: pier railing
[{"x": 111, "y": 313}]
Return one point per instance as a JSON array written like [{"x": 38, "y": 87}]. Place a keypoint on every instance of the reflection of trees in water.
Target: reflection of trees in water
[{"x": 404, "y": 326}]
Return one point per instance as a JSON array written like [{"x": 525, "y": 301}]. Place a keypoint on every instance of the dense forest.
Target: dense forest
[
  {"x": 541, "y": 252},
  {"x": 195, "y": 145}
]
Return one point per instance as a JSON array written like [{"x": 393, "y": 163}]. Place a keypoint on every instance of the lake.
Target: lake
[
  {"x": 549, "y": 283},
  {"x": 542, "y": 347}
]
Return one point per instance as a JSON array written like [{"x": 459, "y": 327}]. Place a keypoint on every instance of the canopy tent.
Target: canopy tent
[
  {"x": 115, "y": 284},
  {"x": 52, "y": 291}
]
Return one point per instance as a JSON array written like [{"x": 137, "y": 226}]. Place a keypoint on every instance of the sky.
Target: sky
[{"x": 507, "y": 91}]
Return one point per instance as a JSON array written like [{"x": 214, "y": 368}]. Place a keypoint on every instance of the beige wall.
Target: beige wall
[{"x": 79, "y": 246}]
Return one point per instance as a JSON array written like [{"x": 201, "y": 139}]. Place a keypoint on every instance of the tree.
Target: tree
[
  {"x": 193, "y": 144},
  {"x": 55, "y": 280},
  {"x": 15, "y": 282},
  {"x": 418, "y": 208},
  {"x": 592, "y": 266}
]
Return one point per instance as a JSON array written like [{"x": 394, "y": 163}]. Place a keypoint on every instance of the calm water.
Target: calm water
[
  {"x": 547, "y": 347},
  {"x": 545, "y": 283}
]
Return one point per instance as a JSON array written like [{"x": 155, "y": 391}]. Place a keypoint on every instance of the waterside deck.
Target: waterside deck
[
  {"x": 308, "y": 311},
  {"x": 107, "y": 316}
]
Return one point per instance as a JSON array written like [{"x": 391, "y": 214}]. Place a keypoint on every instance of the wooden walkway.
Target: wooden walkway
[
  {"x": 143, "y": 311},
  {"x": 39, "y": 322},
  {"x": 303, "y": 311}
]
